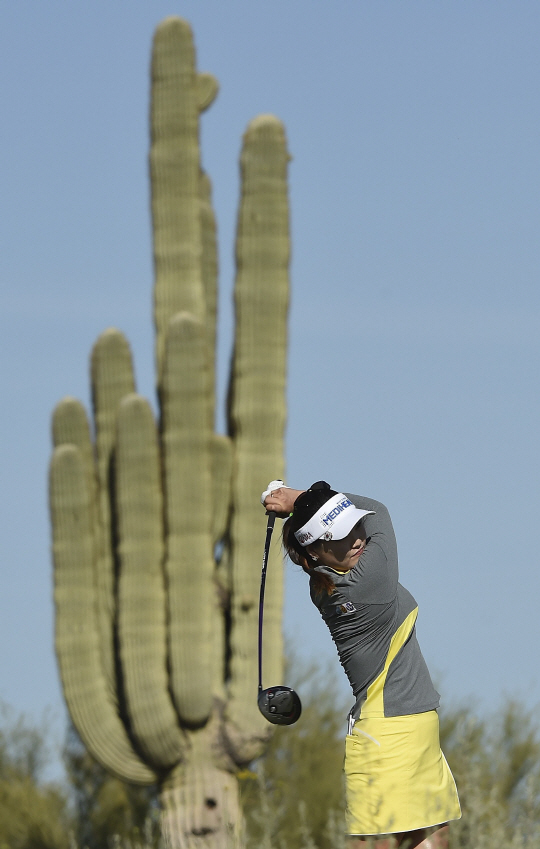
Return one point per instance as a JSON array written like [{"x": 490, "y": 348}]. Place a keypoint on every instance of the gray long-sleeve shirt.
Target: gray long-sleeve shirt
[{"x": 364, "y": 612}]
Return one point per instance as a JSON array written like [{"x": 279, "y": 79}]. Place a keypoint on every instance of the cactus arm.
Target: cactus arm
[
  {"x": 111, "y": 379},
  {"x": 257, "y": 413},
  {"x": 70, "y": 426},
  {"x": 207, "y": 89},
  {"x": 77, "y": 645},
  {"x": 142, "y": 628},
  {"x": 178, "y": 94},
  {"x": 188, "y": 499}
]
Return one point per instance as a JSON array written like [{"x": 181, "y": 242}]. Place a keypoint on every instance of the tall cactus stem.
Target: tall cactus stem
[
  {"x": 178, "y": 96},
  {"x": 209, "y": 271},
  {"x": 257, "y": 410}
]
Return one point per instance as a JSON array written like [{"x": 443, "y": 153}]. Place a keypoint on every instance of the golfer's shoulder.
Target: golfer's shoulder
[{"x": 365, "y": 503}]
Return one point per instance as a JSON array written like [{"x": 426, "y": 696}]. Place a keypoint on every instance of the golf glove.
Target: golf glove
[{"x": 271, "y": 487}]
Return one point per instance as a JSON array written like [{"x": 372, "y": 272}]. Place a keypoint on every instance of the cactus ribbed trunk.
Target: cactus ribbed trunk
[
  {"x": 201, "y": 808},
  {"x": 157, "y": 526}
]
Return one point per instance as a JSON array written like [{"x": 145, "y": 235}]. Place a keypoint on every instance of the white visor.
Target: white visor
[{"x": 333, "y": 520}]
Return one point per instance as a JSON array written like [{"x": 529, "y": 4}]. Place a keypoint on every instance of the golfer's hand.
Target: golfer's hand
[{"x": 281, "y": 501}]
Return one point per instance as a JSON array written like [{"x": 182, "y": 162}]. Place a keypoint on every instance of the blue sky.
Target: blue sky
[{"x": 414, "y": 326}]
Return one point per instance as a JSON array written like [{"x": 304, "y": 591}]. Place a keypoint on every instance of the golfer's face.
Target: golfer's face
[{"x": 341, "y": 554}]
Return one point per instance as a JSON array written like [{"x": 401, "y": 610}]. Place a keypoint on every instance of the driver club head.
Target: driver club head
[{"x": 279, "y": 705}]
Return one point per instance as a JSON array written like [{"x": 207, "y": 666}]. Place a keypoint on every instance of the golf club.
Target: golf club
[{"x": 279, "y": 705}]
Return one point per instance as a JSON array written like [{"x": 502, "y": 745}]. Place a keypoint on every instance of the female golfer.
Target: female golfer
[{"x": 400, "y": 791}]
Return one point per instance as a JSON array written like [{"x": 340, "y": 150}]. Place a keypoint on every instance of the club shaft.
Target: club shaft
[{"x": 269, "y": 529}]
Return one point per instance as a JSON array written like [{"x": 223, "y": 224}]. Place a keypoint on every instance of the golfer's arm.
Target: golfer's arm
[
  {"x": 381, "y": 518},
  {"x": 378, "y": 525}
]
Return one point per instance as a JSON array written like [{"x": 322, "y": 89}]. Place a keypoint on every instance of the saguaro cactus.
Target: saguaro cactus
[{"x": 156, "y": 640}]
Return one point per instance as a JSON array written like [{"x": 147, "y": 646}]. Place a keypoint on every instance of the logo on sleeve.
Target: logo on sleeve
[{"x": 347, "y": 607}]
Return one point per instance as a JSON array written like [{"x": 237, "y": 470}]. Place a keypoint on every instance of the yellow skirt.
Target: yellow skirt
[{"x": 397, "y": 778}]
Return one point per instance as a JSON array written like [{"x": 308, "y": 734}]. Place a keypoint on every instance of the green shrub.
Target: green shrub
[
  {"x": 496, "y": 764},
  {"x": 294, "y": 797},
  {"x": 33, "y": 813},
  {"x": 105, "y": 807}
]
